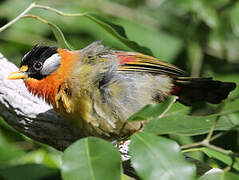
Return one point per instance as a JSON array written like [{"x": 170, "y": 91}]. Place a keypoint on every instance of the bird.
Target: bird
[{"x": 97, "y": 88}]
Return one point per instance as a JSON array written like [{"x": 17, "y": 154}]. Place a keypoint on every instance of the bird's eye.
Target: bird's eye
[{"x": 37, "y": 65}]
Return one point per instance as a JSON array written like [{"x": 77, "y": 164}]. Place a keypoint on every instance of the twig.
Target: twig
[
  {"x": 32, "y": 5},
  {"x": 168, "y": 108},
  {"x": 36, "y": 17},
  {"x": 222, "y": 134},
  {"x": 209, "y": 135},
  {"x": 58, "y": 11},
  {"x": 206, "y": 142},
  {"x": 216, "y": 148},
  {"x": 193, "y": 145},
  {"x": 219, "y": 135}
]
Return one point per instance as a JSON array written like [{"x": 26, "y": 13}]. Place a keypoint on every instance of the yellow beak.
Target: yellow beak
[{"x": 21, "y": 74}]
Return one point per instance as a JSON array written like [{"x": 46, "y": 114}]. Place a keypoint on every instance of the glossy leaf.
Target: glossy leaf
[
  {"x": 119, "y": 33},
  {"x": 152, "y": 110},
  {"x": 188, "y": 125},
  {"x": 178, "y": 108},
  {"x": 156, "y": 40},
  {"x": 159, "y": 158},
  {"x": 56, "y": 31},
  {"x": 176, "y": 121},
  {"x": 232, "y": 105},
  {"x": 91, "y": 158},
  {"x": 59, "y": 36},
  {"x": 220, "y": 176},
  {"x": 209, "y": 16},
  {"x": 233, "y": 14},
  {"x": 41, "y": 156},
  {"x": 115, "y": 30},
  {"x": 9, "y": 154},
  {"x": 222, "y": 157}
]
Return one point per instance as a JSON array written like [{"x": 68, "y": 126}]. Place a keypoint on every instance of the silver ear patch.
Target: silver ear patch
[{"x": 51, "y": 64}]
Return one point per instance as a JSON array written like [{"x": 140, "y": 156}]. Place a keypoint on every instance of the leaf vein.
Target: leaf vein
[{"x": 89, "y": 161}]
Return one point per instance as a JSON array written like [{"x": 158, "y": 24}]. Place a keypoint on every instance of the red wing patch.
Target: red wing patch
[
  {"x": 126, "y": 57},
  {"x": 136, "y": 62}
]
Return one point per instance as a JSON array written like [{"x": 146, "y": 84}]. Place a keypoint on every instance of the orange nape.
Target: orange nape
[{"x": 48, "y": 86}]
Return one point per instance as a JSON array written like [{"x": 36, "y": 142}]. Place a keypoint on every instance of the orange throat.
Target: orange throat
[{"x": 47, "y": 87}]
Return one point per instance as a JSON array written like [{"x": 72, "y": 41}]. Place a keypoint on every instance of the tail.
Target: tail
[{"x": 191, "y": 90}]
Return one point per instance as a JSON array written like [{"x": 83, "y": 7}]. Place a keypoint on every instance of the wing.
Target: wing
[{"x": 130, "y": 61}]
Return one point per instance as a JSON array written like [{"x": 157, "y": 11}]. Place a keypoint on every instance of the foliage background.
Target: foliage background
[{"x": 199, "y": 36}]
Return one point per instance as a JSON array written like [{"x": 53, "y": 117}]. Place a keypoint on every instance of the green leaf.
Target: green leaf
[
  {"x": 177, "y": 122},
  {"x": 91, "y": 158},
  {"x": 9, "y": 154},
  {"x": 152, "y": 110},
  {"x": 159, "y": 158},
  {"x": 115, "y": 30},
  {"x": 232, "y": 105},
  {"x": 188, "y": 125},
  {"x": 156, "y": 40},
  {"x": 59, "y": 36},
  {"x": 220, "y": 176},
  {"x": 56, "y": 31},
  {"x": 234, "y": 15},
  {"x": 41, "y": 156},
  {"x": 222, "y": 157},
  {"x": 209, "y": 16},
  {"x": 178, "y": 108},
  {"x": 29, "y": 172},
  {"x": 119, "y": 33},
  {"x": 119, "y": 29}
]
